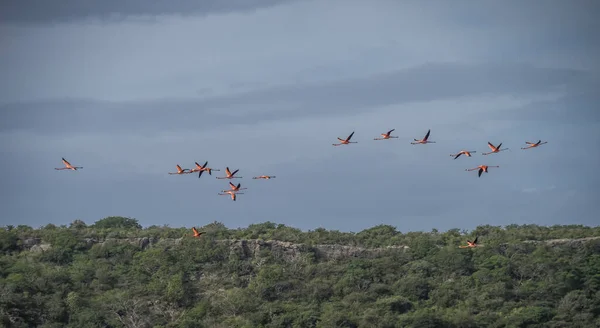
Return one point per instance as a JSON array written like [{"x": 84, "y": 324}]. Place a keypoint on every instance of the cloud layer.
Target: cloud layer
[{"x": 267, "y": 91}]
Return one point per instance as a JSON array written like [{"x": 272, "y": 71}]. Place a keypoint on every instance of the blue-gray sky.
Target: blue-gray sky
[{"x": 128, "y": 90}]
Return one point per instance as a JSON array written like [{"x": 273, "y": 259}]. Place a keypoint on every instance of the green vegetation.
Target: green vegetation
[{"x": 114, "y": 273}]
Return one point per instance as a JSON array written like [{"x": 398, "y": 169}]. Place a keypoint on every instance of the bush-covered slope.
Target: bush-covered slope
[{"x": 116, "y": 274}]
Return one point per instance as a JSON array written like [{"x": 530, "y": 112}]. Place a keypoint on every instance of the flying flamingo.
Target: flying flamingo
[
  {"x": 234, "y": 188},
  {"x": 230, "y": 175},
  {"x": 494, "y": 149},
  {"x": 68, "y": 166},
  {"x": 180, "y": 170},
  {"x": 198, "y": 168},
  {"x": 533, "y": 145},
  {"x": 201, "y": 168},
  {"x": 266, "y": 177},
  {"x": 387, "y": 135},
  {"x": 482, "y": 168},
  {"x": 196, "y": 233},
  {"x": 345, "y": 142},
  {"x": 232, "y": 194},
  {"x": 463, "y": 152},
  {"x": 470, "y": 244},
  {"x": 424, "y": 140}
]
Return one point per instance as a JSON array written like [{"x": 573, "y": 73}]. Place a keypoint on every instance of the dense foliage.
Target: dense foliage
[{"x": 203, "y": 283}]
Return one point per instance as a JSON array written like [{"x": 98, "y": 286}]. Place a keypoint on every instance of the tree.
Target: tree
[{"x": 117, "y": 222}]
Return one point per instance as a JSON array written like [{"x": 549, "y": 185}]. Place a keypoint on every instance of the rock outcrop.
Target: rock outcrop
[{"x": 245, "y": 248}]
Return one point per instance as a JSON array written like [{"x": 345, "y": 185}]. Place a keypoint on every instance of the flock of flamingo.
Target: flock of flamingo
[
  {"x": 425, "y": 140},
  {"x": 235, "y": 189}
]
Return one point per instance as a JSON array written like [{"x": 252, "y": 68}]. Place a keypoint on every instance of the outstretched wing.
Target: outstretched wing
[
  {"x": 350, "y": 136},
  {"x": 427, "y": 135}
]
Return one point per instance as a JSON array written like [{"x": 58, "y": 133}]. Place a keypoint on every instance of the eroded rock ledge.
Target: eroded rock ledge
[{"x": 245, "y": 248}]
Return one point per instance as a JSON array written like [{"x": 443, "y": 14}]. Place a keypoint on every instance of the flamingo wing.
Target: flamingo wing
[
  {"x": 480, "y": 171},
  {"x": 234, "y": 172},
  {"x": 427, "y": 135},
  {"x": 390, "y": 131},
  {"x": 475, "y": 241},
  {"x": 492, "y": 147},
  {"x": 350, "y": 136},
  {"x": 227, "y": 171},
  {"x": 231, "y": 185}
]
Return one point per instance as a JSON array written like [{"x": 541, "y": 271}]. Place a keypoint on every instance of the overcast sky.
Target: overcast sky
[{"x": 129, "y": 89}]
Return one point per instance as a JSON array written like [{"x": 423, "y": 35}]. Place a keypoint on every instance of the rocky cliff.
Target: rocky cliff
[{"x": 245, "y": 248}]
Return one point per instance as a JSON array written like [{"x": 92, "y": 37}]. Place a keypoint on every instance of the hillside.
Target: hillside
[{"x": 116, "y": 274}]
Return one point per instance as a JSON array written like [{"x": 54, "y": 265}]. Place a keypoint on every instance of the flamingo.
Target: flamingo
[
  {"x": 470, "y": 244},
  {"x": 232, "y": 194},
  {"x": 201, "y": 168},
  {"x": 482, "y": 168},
  {"x": 68, "y": 166},
  {"x": 234, "y": 187},
  {"x": 494, "y": 149},
  {"x": 180, "y": 170},
  {"x": 230, "y": 175},
  {"x": 387, "y": 135},
  {"x": 533, "y": 145},
  {"x": 196, "y": 233},
  {"x": 266, "y": 177},
  {"x": 463, "y": 152},
  {"x": 345, "y": 142},
  {"x": 424, "y": 140},
  {"x": 198, "y": 168}
]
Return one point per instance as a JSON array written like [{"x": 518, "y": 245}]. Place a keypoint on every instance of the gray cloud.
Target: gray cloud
[
  {"x": 424, "y": 83},
  {"x": 40, "y": 11},
  {"x": 578, "y": 107},
  {"x": 461, "y": 78}
]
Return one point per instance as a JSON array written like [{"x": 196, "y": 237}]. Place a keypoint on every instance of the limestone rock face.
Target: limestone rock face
[{"x": 244, "y": 249}]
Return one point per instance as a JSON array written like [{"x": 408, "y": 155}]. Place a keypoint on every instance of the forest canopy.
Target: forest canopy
[{"x": 115, "y": 273}]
